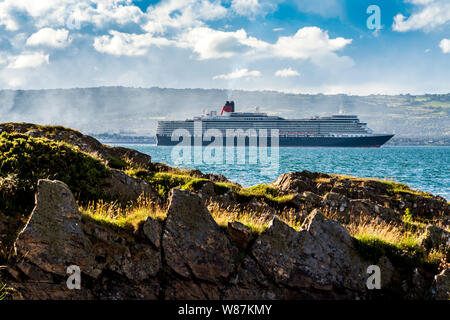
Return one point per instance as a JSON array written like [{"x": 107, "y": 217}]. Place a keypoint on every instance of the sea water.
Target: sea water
[{"x": 426, "y": 168}]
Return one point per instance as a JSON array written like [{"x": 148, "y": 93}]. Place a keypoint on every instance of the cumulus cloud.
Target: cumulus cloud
[
  {"x": 126, "y": 44},
  {"x": 288, "y": 72},
  {"x": 212, "y": 44},
  {"x": 445, "y": 45},
  {"x": 432, "y": 14},
  {"x": 58, "y": 38},
  {"x": 252, "y": 8},
  {"x": 237, "y": 74},
  {"x": 68, "y": 13},
  {"x": 308, "y": 43},
  {"x": 28, "y": 60},
  {"x": 203, "y": 29},
  {"x": 178, "y": 14}
]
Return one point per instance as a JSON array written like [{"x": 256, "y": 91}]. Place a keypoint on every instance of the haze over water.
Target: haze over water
[{"x": 421, "y": 167}]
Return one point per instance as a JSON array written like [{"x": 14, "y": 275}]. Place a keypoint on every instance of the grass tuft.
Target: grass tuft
[{"x": 118, "y": 217}]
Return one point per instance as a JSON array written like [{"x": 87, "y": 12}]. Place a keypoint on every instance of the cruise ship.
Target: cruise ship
[{"x": 330, "y": 131}]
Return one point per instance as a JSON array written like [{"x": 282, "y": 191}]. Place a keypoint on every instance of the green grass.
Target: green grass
[
  {"x": 116, "y": 163},
  {"x": 163, "y": 182},
  {"x": 3, "y": 293},
  {"x": 405, "y": 252},
  {"x": 195, "y": 184},
  {"x": 261, "y": 191},
  {"x": 400, "y": 188},
  {"x": 117, "y": 217},
  {"x": 24, "y": 160}
]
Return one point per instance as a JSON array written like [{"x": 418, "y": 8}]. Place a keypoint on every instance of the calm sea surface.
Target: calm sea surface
[{"x": 424, "y": 168}]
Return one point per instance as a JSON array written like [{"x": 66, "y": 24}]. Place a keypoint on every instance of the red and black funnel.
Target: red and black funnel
[{"x": 228, "y": 107}]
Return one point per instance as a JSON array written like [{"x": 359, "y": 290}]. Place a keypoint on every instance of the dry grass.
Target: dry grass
[
  {"x": 257, "y": 221},
  {"x": 123, "y": 217}
]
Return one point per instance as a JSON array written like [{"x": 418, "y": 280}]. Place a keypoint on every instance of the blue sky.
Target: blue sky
[{"x": 299, "y": 46}]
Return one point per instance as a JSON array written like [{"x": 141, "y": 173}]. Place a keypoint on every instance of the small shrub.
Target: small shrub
[
  {"x": 24, "y": 160},
  {"x": 195, "y": 184},
  {"x": 408, "y": 217},
  {"x": 116, "y": 163}
]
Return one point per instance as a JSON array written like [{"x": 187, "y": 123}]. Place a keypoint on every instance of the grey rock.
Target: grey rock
[
  {"x": 53, "y": 238},
  {"x": 435, "y": 237},
  {"x": 441, "y": 285},
  {"x": 239, "y": 233},
  {"x": 193, "y": 244},
  {"x": 320, "y": 256}
]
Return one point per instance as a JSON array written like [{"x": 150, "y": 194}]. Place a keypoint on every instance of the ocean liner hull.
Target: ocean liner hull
[{"x": 367, "y": 141}]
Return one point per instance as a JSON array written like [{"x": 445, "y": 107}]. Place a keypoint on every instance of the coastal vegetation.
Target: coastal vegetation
[
  {"x": 383, "y": 219},
  {"x": 24, "y": 160}
]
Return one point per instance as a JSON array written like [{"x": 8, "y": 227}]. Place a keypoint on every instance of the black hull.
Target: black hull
[{"x": 372, "y": 141}]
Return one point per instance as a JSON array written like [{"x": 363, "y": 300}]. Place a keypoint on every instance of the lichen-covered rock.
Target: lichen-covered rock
[
  {"x": 441, "y": 285},
  {"x": 295, "y": 182},
  {"x": 250, "y": 283},
  {"x": 334, "y": 199},
  {"x": 435, "y": 237},
  {"x": 360, "y": 209},
  {"x": 321, "y": 256},
  {"x": 53, "y": 238},
  {"x": 152, "y": 229},
  {"x": 193, "y": 244},
  {"x": 121, "y": 186},
  {"x": 122, "y": 255},
  {"x": 239, "y": 233}
]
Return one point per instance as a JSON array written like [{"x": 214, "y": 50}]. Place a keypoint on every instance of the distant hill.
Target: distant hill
[{"x": 137, "y": 110}]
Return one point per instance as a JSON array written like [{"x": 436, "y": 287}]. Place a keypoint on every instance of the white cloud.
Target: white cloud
[
  {"x": 277, "y": 29},
  {"x": 237, "y": 74},
  {"x": 288, "y": 72},
  {"x": 213, "y": 44},
  {"x": 249, "y": 8},
  {"x": 445, "y": 45},
  {"x": 181, "y": 14},
  {"x": 28, "y": 60},
  {"x": 432, "y": 14},
  {"x": 308, "y": 43},
  {"x": 128, "y": 44},
  {"x": 67, "y": 13},
  {"x": 49, "y": 37}
]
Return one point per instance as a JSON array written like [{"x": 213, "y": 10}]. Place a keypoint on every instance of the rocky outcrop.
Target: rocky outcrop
[
  {"x": 319, "y": 257},
  {"x": 192, "y": 240},
  {"x": 84, "y": 142},
  {"x": 188, "y": 256},
  {"x": 296, "y": 181},
  {"x": 53, "y": 238},
  {"x": 239, "y": 234},
  {"x": 436, "y": 237},
  {"x": 441, "y": 285},
  {"x": 125, "y": 188}
]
